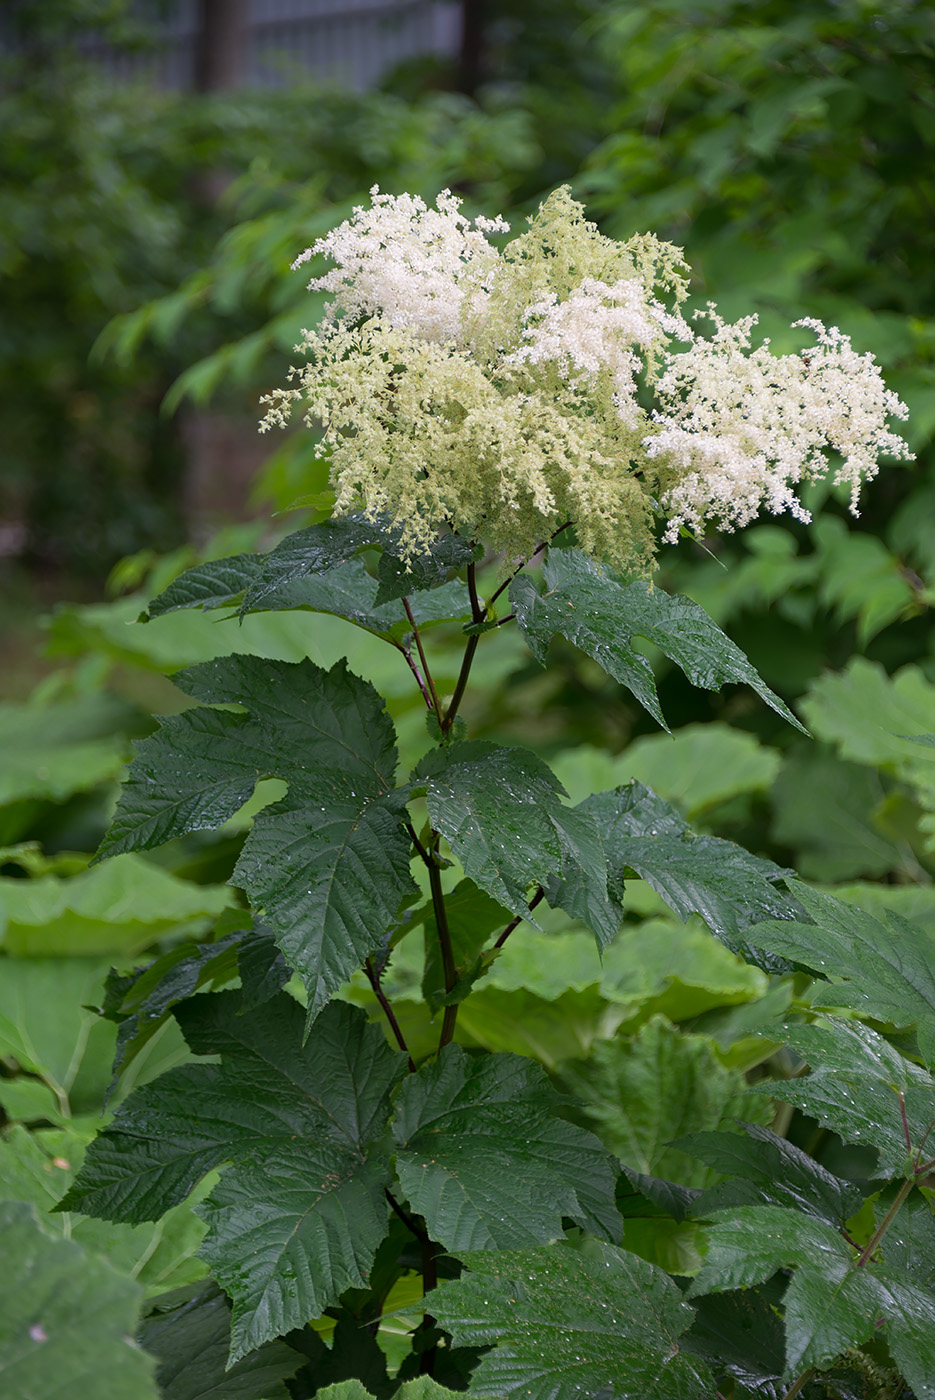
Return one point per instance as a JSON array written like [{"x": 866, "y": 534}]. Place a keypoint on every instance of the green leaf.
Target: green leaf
[
  {"x": 581, "y": 888},
  {"x": 39, "y": 1166},
  {"x": 602, "y": 616},
  {"x": 46, "y": 1028},
  {"x": 747, "y": 1244},
  {"x": 730, "y": 888},
  {"x": 883, "y": 968},
  {"x": 117, "y": 908},
  {"x": 188, "y": 1332},
  {"x": 329, "y": 864},
  {"x": 565, "y": 1322},
  {"x": 741, "y": 1333},
  {"x": 697, "y": 767},
  {"x": 769, "y": 1170},
  {"x": 641, "y": 1093},
  {"x": 909, "y": 1244},
  {"x": 823, "y": 810},
  {"x": 867, "y": 713},
  {"x": 399, "y": 578},
  {"x": 499, "y": 810},
  {"x": 472, "y": 918},
  {"x": 141, "y": 1002},
  {"x": 857, "y": 1085},
  {"x": 298, "y": 1214},
  {"x": 420, "y": 1388},
  {"x": 482, "y": 1157},
  {"x": 49, "y": 751},
  {"x": 66, "y": 1319}
]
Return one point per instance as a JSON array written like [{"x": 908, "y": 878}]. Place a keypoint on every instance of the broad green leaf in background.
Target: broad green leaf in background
[
  {"x": 420, "y": 1388},
  {"x": 46, "y": 1028},
  {"x": 697, "y": 767},
  {"x": 858, "y": 1086},
  {"x": 188, "y": 1332},
  {"x": 54, "y": 749},
  {"x": 329, "y": 864},
  {"x": 39, "y": 1166},
  {"x": 66, "y": 1319},
  {"x": 881, "y": 967},
  {"x": 824, "y": 811},
  {"x": 602, "y": 616},
  {"x": 297, "y": 1216},
  {"x": 118, "y": 908},
  {"x": 639, "y": 1094},
  {"x": 482, "y": 1157},
  {"x": 563, "y": 1321},
  {"x": 768, "y": 1170}
]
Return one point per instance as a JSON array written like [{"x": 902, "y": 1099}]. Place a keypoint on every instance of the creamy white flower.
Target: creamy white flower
[
  {"x": 598, "y": 330},
  {"x": 411, "y": 263},
  {"x": 746, "y": 427}
]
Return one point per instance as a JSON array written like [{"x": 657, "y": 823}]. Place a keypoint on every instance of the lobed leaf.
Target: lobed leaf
[
  {"x": 601, "y": 616},
  {"x": 483, "y": 1158},
  {"x": 329, "y": 864},
  {"x": 300, "y": 1210},
  {"x": 563, "y": 1322}
]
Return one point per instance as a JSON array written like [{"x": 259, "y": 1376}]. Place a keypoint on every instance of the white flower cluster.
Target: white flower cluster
[
  {"x": 411, "y": 264},
  {"x": 502, "y": 392},
  {"x": 747, "y": 426},
  {"x": 597, "y": 330}
]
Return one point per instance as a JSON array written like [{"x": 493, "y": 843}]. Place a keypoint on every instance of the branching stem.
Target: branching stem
[
  {"x": 415, "y": 671},
  {"x": 538, "y": 550},
  {"x": 515, "y": 923},
  {"x": 447, "y": 952}
]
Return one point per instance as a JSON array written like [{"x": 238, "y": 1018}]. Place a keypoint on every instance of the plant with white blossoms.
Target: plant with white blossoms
[{"x": 507, "y": 392}]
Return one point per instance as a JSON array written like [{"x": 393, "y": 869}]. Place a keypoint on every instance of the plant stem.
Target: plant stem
[
  {"x": 870, "y": 1248},
  {"x": 514, "y": 923},
  {"x": 477, "y": 612},
  {"x": 415, "y": 671},
  {"x": 388, "y": 1011},
  {"x": 411, "y": 1224},
  {"x": 798, "y": 1383},
  {"x": 458, "y": 695},
  {"x": 447, "y": 952},
  {"x": 423, "y": 853},
  {"x": 425, "y": 665},
  {"x": 538, "y": 550},
  {"x": 429, "y": 1281}
]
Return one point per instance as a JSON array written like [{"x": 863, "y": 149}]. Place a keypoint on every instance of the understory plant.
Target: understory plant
[{"x": 393, "y": 1201}]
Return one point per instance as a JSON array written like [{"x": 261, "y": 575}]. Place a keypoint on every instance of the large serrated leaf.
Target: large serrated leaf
[
  {"x": 884, "y": 969},
  {"x": 298, "y": 1214},
  {"x": 602, "y": 616},
  {"x": 581, "y": 888},
  {"x": 565, "y": 1323},
  {"x": 66, "y": 1319},
  {"x": 499, "y": 810},
  {"x": 188, "y": 1333},
  {"x": 483, "y": 1158},
  {"x": 329, "y": 864},
  {"x": 730, "y": 888},
  {"x": 860, "y": 1086}
]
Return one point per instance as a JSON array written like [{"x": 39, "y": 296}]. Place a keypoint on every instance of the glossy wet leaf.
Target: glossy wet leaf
[
  {"x": 880, "y": 966},
  {"x": 188, "y": 1333},
  {"x": 768, "y": 1170},
  {"x": 483, "y": 1158},
  {"x": 328, "y": 866},
  {"x": 66, "y": 1319},
  {"x": 298, "y": 1214},
  {"x": 563, "y": 1322},
  {"x": 855, "y": 1085},
  {"x": 640, "y": 1093},
  {"x": 602, "y": 617},
  {"x": 581, "y": 887},
  {"x": 499, "y": 810}
]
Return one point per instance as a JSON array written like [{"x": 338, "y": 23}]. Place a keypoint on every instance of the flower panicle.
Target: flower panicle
[{"x": 505, "y": 390}]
